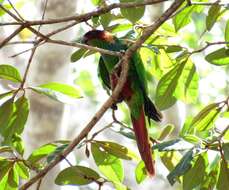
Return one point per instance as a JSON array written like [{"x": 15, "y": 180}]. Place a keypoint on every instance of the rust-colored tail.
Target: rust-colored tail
[{"x": 142, "y": 139}]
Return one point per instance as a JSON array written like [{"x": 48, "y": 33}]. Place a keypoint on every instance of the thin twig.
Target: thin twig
[
  {"x": 6, "y": 40},
  {"x": 18, "y": 14},
  {"x": 208, "y": 45}
]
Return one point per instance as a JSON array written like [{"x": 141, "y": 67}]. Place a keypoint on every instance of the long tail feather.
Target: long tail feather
[{"x": 142, "y": 139}]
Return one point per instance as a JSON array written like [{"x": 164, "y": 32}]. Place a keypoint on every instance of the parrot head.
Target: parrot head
[{"x": 93, "y": 37}]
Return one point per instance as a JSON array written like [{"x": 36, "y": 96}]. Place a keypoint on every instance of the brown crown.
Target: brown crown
[{"x": 98, "y": 34}]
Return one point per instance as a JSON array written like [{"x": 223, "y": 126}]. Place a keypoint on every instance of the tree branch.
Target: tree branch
[{"x": 125, "y": 66}]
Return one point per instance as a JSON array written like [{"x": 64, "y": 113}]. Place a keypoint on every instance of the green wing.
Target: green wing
[
  {"x": 104, "y": 74},
  {"x": 140, "y": 72},
  {"x": 150, "y": 109}
]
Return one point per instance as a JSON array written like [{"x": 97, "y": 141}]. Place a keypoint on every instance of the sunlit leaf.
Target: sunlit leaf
[
  {"x": 22, "y": 169},
  {"x": 108, "y": 164},
  {"x": 213, "y": 14},
  {"x": 9, "y": 72},
  {"x": 96, "y": 2},
  {"x": 227, "y": 33},
  {"x": 140, "y": 172},
  {"x": 167, "y": 86},
  {"x": 170, "y": 159},
  {"x": 181, "y": 167},
  {"x": 191, "y": 138},
  {"x": 198, "y": 168},
  {"x": 76, "y": 175},
  {"x": 133, "y": 14},
  {"x": 204, "y": 120},
  {"x": 120, "y": 27},
  {"x": 117, "y": 150},
  {"x": 13, "y": 179},
  {"x": 58, "y": 91},
  {"x": 41, "y": 152},
  {"x": 187, "y": 88},
  {"x": 166, "y": 131},
  {"x": 85, "y": 82},
  {"x": 183, "y": 18},
  {"x": 219, "y": 57}
]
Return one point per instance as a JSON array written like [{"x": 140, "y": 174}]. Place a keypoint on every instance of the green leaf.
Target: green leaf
[
  {"x": 226, "y": 150},
  {"x": 41, "y": 152},
  {"x": 9, "y": 93},
  {"x": 18, "y": 144},
  {"x": 187, "y": 88},
  {"x": 204, "y": 120},
  {"x": 6, "y": 112},
  {"x": 5, "y": 167},
  {"x": 13, "y": 179},
  {"x": 105, "y": 19},
  {"x": 183, "y": 18},
  {"x": 116, "y": 150},
  {"x": 213, "y": 14},
  {"x": 133, "y": 14},
  {"x": 181, "y": 167},
  {"x": 124, "y": 131},
  {"x": 170, "y": 159},
  {"x": 176, "y": 144},
  {"x": 22, "y": 169},
  {"x": 57, "y": 152},
  {"x": 108, "y": 164},
  {"x": 198, "y": 168},
  {"x": 211, "y": 179},
  {"x": 76, "y": 175},
  {"x": 57, "y": 91},
  {"x": 166, "y": 87},
  {"x": 191, "y": 138},
  {"x": 223, "y": 180},
  {"x": 219, "y": 57},
  {"x": 85, "y": 82},
  {"x": 227, "y": 33},
  {"x": 140, "y": 172},
  {"x": 166, "y": 132},
  {"x": 121, "y": 27},
  {"x": 96, "y": 2},
  {"x": 9, "y": 72},
  {"x": 173, "y": 48},
  {"x": 6, "y": 149},
  {"x": 18, "y": 120},
  {"x": 77, "y": 55},
  {"x": 186, "y": 127}
]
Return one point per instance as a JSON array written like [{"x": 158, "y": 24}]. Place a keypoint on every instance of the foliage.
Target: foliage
[{"x": 169, "y": 61}]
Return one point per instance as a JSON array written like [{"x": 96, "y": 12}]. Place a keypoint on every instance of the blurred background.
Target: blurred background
[{"x": 50, "y": 120}]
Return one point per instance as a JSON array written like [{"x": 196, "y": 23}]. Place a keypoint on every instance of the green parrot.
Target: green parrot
[{"x": 134, "y": 92}]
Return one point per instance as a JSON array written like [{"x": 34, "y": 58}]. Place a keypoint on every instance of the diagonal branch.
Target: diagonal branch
[{"x": 125, "y": 66}]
